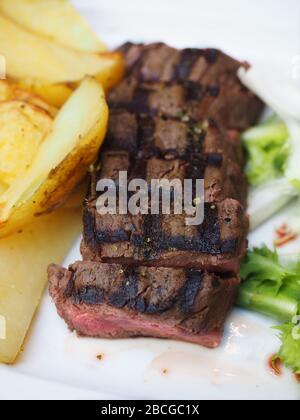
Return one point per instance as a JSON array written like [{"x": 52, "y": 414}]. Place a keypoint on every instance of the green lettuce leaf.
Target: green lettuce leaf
[
  {"x": 269, "y": 146},
  {"x": 262, "y": 265},
  {"x": 268, "y": 151},
  {"x": 268, "y": 286},
  {"x": 272, "y": 287},
  {"x": 289, "y": 352}
]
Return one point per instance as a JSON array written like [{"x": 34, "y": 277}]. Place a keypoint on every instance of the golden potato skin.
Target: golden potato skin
[
  {"x": 67, "y": 175},
  {"x": 25, "y": 120},
  {"x": 11, "y": 90},
  {"x": 23, "y": 128},
  {"x": 54, "y": 94}
]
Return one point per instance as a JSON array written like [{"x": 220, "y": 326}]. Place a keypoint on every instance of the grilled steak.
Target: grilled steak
[
  {"x": 165, "y": 138},
  {"x": 155, "y": 134},
  {"x": 112, "y": 301},
  {"x": 165, "y": 240},
  {"x": 192, "y": 83},
  {"x": 176, "y": 115},
  {"x": 159, "y": 62}
]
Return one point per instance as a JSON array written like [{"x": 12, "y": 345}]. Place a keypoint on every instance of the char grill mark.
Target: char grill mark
[
  {"x": 165, "y": 302},
  {"x": 187, "y": 61},
  {"x": 196, "y": 152},
  {"x": 165, "y": 240},
  {"x": 193, "y": 286},
  {"x": 161, "y": 128},
  {"x": 197, "y": 83},
  {"x": 154, "y": 136},
  {"x": 156, "y": 63},
  {"x": 231, "y": 106},
  {"x": 177, "y": 114},
  {"x": 143, "y": 289}
]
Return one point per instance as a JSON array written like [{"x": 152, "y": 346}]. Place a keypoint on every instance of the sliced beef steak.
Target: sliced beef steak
[
  {"x": 156, "y": 63},
  {"x": 218, "y": 244},
  {"x": 194, "y": 83},
  {"x": 145, "y": 137},
  {"x": 231, "y": 106},
  {"x": 162, "y": 149},
  {"x": 113, "y": 301},
  {"x": 176, "y": 115}
]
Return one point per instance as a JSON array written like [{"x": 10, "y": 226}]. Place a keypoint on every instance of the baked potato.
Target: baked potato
[
  {"x": 57, "y": 20},
  {"x": 24, "y": 258},
  {"x": 49, "y": 68},
  {"x": 55, "y": 159}
]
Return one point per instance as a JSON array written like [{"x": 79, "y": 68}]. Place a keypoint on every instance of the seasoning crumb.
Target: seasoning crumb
[
  {"x": 205, "y": 125},
  {"x": 165, "y": 371},
  {"x": 185, "y": 119},
  {"x": 100, "y": 356},
  {"x": 198, "y": 129}
]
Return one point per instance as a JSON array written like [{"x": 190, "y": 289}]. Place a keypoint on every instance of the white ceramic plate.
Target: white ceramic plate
[{"x": 58, "y": 365}]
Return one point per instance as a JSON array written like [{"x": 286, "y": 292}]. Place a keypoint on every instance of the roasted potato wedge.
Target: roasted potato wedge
[
  {"x": 23, "y": 128},
  {"x": 31, "y": 57},
  {"x": 10, "y": 91},
  {"x": 24, "y": 258},
  {"x": 49, "y": 68},
  {"x": 61, "y": 161},
  {"x": 25, "y": 121},
  {"x": 54, "y": 94},
  {"x": 57, "y": 20}
]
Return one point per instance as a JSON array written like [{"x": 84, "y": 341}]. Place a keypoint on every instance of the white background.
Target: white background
[{"x": 264, "y": 29}]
